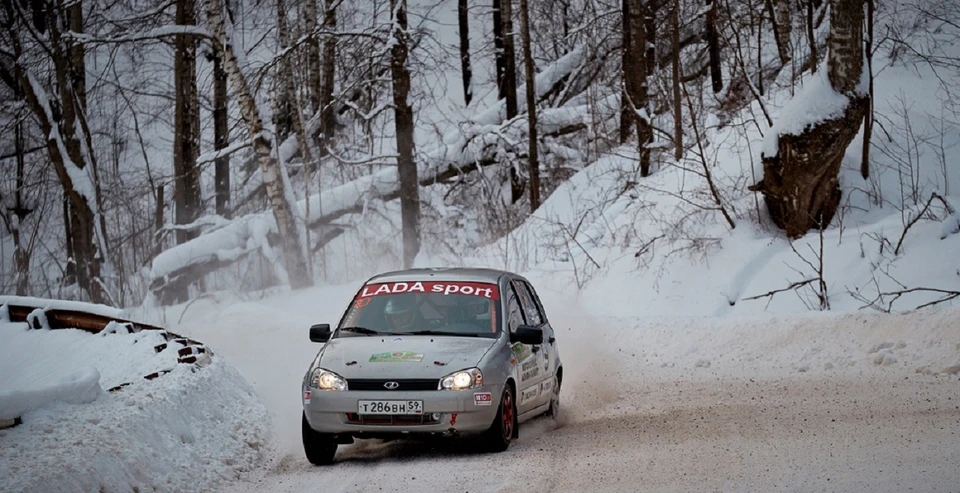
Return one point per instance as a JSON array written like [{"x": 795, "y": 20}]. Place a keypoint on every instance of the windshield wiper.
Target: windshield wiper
[
  {"x": 362, "y": 330},
  {"x": 443, "y": 333}
]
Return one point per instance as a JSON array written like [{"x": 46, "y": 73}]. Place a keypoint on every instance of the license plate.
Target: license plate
[{"x": 390, "y": 407}]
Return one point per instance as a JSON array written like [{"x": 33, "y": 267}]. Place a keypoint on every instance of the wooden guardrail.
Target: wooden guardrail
[{"x": 44, "y": 314}]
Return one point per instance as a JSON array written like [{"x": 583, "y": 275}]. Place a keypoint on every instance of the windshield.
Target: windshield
[{"x": 427, "y": 308}]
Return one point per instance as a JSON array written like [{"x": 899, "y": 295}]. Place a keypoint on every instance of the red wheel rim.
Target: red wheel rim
[{"x": 507, "y": 415}]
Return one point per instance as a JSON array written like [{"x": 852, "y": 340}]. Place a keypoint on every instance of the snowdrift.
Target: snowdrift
[{"x": 118, "y": 410}]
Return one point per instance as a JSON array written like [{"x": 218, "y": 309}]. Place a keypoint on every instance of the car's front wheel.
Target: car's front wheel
[
  {"x": 318, "y": 447},
  {"x": 501, "y": 432}
]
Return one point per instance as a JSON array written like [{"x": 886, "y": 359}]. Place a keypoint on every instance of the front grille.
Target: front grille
[
  {"x": 407, "y": 384},
  {"x": 391, "y": 419}
]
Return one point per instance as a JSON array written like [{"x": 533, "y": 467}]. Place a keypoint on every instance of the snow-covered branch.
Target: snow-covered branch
[{"x": 151, "y": 34}]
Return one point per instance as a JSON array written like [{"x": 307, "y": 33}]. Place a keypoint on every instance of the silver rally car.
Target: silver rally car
[{"x": 441, "y": 352}]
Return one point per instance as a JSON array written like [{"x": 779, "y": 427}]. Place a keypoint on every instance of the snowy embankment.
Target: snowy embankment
[
  {"x": 659, "y": 245},
  {"x": 115, "y": 411}
]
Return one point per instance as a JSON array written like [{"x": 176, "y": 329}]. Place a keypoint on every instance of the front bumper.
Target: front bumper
[{"x": 336, "y": 412}]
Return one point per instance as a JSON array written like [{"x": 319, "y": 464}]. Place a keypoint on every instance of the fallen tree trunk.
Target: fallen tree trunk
[
  {"x": 567, "y": 77},
  {"x": 473, "y": 145}
]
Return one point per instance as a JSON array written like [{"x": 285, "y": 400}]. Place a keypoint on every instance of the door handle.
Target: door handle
[{"x": 552, "y": 339}]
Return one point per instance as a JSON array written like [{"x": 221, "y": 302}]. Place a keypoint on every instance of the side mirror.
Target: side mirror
[
  {"x": 320, "y": 333},
  {"x": 526, "y": 334}
]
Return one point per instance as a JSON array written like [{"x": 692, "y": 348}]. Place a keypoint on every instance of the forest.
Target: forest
[{"x": 158, "y": 151}]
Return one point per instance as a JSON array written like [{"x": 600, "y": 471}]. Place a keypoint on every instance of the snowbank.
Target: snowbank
[
  {"x": 79, "y": 387},
  {"x": 187, "y": 429}
]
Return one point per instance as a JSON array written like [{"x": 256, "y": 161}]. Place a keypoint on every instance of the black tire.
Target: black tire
[
  {"x": 555, "y": 409},
  {"x": 504, "y": 427},
  {"x": 318, "y": 447}
]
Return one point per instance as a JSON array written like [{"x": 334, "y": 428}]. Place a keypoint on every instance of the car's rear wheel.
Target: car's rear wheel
[
  {"x": 318, "y": 447},
  {"x": 503, "y": 429},
  {"x": 554, "y": 410}
]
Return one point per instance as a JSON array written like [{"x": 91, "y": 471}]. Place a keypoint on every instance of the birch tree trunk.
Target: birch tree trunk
[
  {"x": 801, "y": 183},
  {"x": 293, "y": 250},
  {"x": 288, "y": 87},
  {"x": 21, "y": 255},
  {"x": 533, "y": 159},
  {"x": 784, "y": 20},
  {"x": 509, "y": 59},
  {"x": 466, "y": 71},
  {"x": 186, "y": 125},
  {"x": 403, "y": 121}
]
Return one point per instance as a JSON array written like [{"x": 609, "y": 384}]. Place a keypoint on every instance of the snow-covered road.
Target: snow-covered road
[
  {"x": 801, "y": 402},
  {"x": 881, "y": 433}
]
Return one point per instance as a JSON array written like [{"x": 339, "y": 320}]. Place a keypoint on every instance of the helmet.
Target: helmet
[{"x": 400, "y": 311}]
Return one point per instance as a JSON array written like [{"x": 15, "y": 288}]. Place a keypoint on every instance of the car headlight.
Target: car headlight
[
  {"x": 327, "y": 380},
  {"x": 462, "y": 380}
]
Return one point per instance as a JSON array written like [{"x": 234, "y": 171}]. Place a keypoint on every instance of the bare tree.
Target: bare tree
[
  {"x": 312, "y": 54},
  {"x": 15, "y": 214},
  {"x": 780, "y": 18},
  {"x": 509, "y": 85},
  {"x": 811, "y": 36},
  {"x": 800, "y": 183},
  {"x": 868, "y": 116},
  {"x": 186, "y": 127},
  {"x": 291, "y": 244},
  {"x": 287, "y": 87},
  {"x": 627, "y": 66},
  {"x": 403, "y": 121},
  {"x": 61, "y": 116},
  {"x": 328, "y": 115},
  {"x": 466, "y": 72},
  {"x": 636, "y": 71},
  {"x": 533, "y": 156},
  {"x": 713, "y": 44},
  {"x": 221, "y": 133},
  {"x": 677, "y": 94}
]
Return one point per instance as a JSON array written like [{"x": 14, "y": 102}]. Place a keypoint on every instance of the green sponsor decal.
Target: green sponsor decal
[
  {"x": 522, "y": 351},
  {"x": 396, "y": 357}
]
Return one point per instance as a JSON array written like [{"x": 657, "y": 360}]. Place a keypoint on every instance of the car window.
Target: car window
[
  {"x": 457, "y": 308},
  {"x": 539, "y": 303},
  {"x": 515, "y": 316},
  {"x": 530, "y": 308}
]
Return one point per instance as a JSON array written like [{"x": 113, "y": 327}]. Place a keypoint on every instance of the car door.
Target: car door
[
  {"x": 527, "y": 360},
  {"x": 550, "y": 350},
  {"x": 538, "y": 367}
]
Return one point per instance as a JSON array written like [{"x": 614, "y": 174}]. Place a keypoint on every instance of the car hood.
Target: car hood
[{"x": 402, "y": 356}]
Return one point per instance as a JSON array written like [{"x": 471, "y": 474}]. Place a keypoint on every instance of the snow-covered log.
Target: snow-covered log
[{"x": 471, "y": 145}]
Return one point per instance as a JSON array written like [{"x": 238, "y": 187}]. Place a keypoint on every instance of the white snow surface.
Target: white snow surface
[
  {"x": 671, "y": 373},
  {"x": 188, "y": 430}
]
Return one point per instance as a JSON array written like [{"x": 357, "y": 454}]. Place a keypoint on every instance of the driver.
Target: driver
[
  {"x": 476, "y": 309},
  {"x": 401, "y": 312}
]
